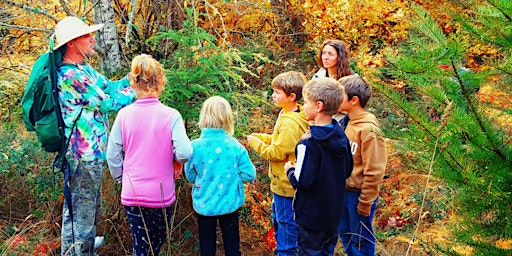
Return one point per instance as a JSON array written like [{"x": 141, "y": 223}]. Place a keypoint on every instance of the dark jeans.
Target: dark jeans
[
  {"x": 208, "y": 234},
  {"x": 156, "y": 222},
  {"x": 313, "y": 243},
  {"x": 355, "y": 231}
]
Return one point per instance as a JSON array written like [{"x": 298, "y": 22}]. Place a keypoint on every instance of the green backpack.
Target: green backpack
[
  {"x": 40, "y": 103},
  {"x": 41, "y": 113}
]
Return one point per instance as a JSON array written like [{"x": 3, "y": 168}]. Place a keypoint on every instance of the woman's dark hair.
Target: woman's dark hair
[{"x": 343, "y": 65}]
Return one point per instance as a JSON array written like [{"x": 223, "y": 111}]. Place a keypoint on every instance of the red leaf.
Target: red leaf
[
  {"x": 270, "y": 239},
  {"x": 40, "y": 249}
]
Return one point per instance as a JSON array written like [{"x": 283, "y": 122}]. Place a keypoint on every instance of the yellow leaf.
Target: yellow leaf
[
  {"x": 406, "y": 240},
  {"x": 504, "y": 243}
]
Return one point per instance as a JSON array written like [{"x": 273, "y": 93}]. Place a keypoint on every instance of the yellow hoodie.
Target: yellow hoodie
[
  {"x": 279, "y": 148},
  {"x": 369, "y": 154}
]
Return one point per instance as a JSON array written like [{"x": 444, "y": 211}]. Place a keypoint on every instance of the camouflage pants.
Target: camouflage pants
[{"x": 85, "y": 184}]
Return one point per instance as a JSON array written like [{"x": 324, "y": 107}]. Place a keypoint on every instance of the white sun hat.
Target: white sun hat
[{"x": 70, "y": 28}]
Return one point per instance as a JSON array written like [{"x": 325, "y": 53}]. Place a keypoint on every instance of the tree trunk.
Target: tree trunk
[{"x": 107, "y": 37}]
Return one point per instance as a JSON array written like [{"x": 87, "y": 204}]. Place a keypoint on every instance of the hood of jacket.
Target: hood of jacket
[
  {"x": 328, "y": 137},
  {"x": 298, "y": 117},
  {"x": 364, "y": 117}
]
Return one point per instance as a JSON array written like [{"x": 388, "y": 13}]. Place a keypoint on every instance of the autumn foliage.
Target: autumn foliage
[{"x": 235, "y": 48}]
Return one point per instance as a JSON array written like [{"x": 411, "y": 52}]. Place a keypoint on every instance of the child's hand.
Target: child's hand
[
  {"x": 178, "y": 168},
  {"x": 363, "y": 210},
  {"x": 288, "y": 165},
  {"x": 251, "y": 137}
]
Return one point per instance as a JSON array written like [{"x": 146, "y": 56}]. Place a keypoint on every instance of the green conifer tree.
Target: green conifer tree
[{"x": 473, "y": 152}]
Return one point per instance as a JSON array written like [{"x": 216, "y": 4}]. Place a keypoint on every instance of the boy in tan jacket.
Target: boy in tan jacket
[
  {"x": 369, "y": 154},
  {"x": 279, "y": 148}
]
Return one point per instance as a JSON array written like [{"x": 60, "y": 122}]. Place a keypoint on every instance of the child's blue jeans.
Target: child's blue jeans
[
  {"x": 285, "y": 228},
  {"x": 355, "y": 231}
]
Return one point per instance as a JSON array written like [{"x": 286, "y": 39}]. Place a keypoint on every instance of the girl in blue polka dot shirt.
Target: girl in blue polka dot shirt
[{"x": 218, "y": 167}]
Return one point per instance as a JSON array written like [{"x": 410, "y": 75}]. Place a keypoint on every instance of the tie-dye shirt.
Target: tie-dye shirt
[{"x": 86, "y": 92}]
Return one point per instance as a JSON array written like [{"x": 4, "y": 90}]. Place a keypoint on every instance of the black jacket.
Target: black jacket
[{"x": 320, "y": 189}]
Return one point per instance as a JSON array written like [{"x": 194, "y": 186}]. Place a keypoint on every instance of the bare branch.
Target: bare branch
[
  {"x": 28, "y": 29},
  {"x": 65, "y": 7},
  {"x": 130, "y": 21},
  {"x": 91, "y": 8},
  {"x": 216, "y": 11},
  {"x": 32, "y": 9}
]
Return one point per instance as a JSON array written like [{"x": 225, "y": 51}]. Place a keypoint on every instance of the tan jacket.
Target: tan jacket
[
  {"x": 279, "y": 148},
  {"x": 369, "y": 154}
]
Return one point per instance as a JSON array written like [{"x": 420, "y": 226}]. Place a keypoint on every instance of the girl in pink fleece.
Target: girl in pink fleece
[{"x": 147, "y": 141}]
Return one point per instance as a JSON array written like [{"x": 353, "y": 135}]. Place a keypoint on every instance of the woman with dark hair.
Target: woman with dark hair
[{"x": 334, "y": 60}]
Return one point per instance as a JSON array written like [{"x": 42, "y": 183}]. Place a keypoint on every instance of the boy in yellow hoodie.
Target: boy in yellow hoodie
[
  {"x": 279, "y": 148},
  {"x": 369, "y": 154}
]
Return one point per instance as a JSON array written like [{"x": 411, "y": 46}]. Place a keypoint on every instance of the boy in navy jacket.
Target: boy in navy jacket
[{"x": 324, "y": 162}]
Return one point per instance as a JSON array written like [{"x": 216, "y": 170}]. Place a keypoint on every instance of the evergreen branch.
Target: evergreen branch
[
  {"x": 495, "y": 148},
  {"x": 403, "y": 70},
  {"x": 32, "y": 9},
  {"x": 427, "y": 24},
  {"x": 493, "y": 4},
  {"x": 425, "y": 191},
  {"x": 505, "y": 71},
  {"x": 500, "y": 33},
  {"x": 402, "y": 105},
  {"x": 462, "y": 180},
  {"x": 449, "y": 163},
  {"x": 433, "y": 58},
  {"x": 489, "y": 33},
  {"x": 421, "y": 71}
]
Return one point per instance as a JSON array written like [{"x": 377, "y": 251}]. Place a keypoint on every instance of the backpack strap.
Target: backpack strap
[
  {"x": 62, "y": 163},
  {"x": 68, "y": 140}
]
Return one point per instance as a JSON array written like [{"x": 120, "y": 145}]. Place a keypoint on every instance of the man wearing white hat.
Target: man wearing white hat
[{"x": 85, "y": 96}]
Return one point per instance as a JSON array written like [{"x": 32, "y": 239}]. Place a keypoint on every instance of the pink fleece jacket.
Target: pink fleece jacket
[{"x": 146, "y": 130}]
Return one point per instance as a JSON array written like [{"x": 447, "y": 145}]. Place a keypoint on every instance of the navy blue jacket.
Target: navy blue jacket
[{"x": 320, "y": 187}]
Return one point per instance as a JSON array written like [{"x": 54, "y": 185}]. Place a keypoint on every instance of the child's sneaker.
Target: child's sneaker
[{"x": 98, "y": 241}]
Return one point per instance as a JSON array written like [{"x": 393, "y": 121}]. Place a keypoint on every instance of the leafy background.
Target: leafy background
[{"x": 441, "y": 73}]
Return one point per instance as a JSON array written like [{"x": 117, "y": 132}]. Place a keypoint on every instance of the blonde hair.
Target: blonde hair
[
  {"x": 290, "y": 82},
  {"x": 326, "y": 90},
  {"x": 216, "y": 113},
  {"x": 147, "y": 76}
]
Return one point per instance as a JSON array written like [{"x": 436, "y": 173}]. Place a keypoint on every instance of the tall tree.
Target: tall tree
[{"x": 104, "y": 13}]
